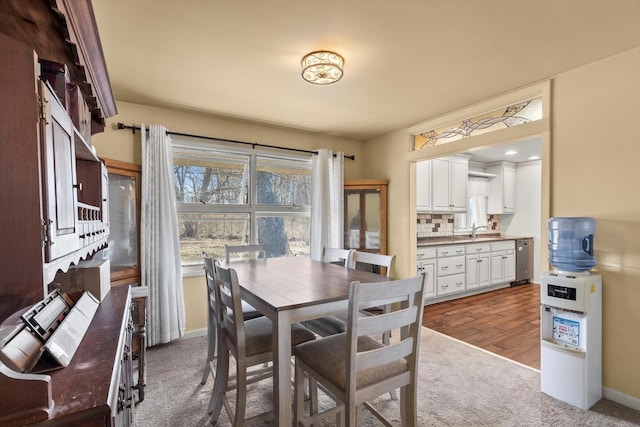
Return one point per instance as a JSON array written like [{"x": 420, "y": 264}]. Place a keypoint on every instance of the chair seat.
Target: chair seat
[
  {"x": 328, "y": 357},
  {"x": 249, "y": 312},
  {"x": 325, "y": 326},
  {"x": 330, "y": 325},
  {"x": 259, "y": 335}
]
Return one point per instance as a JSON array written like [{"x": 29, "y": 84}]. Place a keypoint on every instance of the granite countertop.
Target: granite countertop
[{"x": 480, "y": 238}]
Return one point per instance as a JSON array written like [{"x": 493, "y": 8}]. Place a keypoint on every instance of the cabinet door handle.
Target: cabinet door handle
[
  {"x": 444, "y": 286},
  {"x": 479, "y": 260},
  {"x": 458, "y": 283},
  {"x": 458, "y": 265},
  {"x": 78, "y": 186},
  {"x": 444, "y": 267}
]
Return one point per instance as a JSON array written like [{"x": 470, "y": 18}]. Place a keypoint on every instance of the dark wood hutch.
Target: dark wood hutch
[{"x": 53, "y": 191}]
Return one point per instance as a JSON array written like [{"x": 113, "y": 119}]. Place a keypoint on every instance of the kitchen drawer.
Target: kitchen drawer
[
  {"x": 425, "y": 253},
  {"x": 503, "y": 246},
  {"x": 451, "y": 284},
  {"x": 478, "y": 248},
  {"x": 451, "y": 250},
  {"x": 451, "y": 265}
]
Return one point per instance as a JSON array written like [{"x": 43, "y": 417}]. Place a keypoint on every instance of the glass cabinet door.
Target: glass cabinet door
[
  {"x": 365, "y": 215},
  {"x": 124, "y": 217}
]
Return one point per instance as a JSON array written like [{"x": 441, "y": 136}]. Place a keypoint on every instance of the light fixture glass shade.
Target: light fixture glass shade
[{"x": 322, "y": 67}]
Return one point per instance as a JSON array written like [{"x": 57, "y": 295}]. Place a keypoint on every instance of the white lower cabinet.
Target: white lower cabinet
[
  {"x": 466, "y": 268},
  {"x": 451, "y": 284},
  {"x": 478, "y": 272},
  {"x": 450, "y": 268},
  {"x": 503, "y": 262},
  {"x": 427, "y": 264}
]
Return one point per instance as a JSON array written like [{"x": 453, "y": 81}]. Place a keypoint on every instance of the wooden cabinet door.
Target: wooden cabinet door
[
  {"x": 472, "y": 272},
  {"x": 60, "y": 213},
  {"x": 124, "y": 221},
  {"x": 423, "y": 186},
  {"x": 509, "y": 189},
  {"x": 510, "y": 266},
  {"x": 484, "y": 270},
  {"x": 497, "y": 267},
  {"x": 458, "y": 180},
  {"x": 441, "y": 185}
]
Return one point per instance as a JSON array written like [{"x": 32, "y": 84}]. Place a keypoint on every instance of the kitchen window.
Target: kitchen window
[
  {"x": 234, "y": 196},
  {"x": 477, "y": 193}
]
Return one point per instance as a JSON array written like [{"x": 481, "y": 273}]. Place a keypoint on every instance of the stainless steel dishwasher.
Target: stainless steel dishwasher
[{"x": 524, "y": 261}]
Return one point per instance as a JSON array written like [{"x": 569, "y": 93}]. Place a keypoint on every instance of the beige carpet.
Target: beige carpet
[{"x": 459, "y": 385}]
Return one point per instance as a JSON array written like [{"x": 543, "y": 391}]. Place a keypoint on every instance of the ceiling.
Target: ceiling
[
  {"x": 516, "y": 152},
  {"x": 405, "y": 61}
]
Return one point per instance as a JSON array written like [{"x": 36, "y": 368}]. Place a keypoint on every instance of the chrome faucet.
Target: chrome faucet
[{"x": 475, "y": 228}]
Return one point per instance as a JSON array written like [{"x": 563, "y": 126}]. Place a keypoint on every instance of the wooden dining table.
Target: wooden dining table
[{"x": 289, "y": 290}]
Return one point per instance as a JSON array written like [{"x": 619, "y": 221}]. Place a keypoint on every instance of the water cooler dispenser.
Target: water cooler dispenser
[{"x": 571, "y": 315}]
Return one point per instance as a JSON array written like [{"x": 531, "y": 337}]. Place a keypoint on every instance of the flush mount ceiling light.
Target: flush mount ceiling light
[{"x": 322, "y": 67}]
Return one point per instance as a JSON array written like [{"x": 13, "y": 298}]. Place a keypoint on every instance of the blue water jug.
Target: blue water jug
[{"x": 571, "y": 243}]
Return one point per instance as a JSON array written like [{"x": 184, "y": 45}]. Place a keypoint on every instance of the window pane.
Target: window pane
[
  {"x": 283, "y": 182},
  {"x": 214, "y": 178},
  {"x": 123, "y": 219},
  {"x": 210, "y": 232},
  {"x": 285, "y": 235}
]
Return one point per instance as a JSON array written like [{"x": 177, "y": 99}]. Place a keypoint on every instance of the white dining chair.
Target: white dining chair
[
  {"x": 329, "y": 325},
  {"x": 338, "y": 256},
  {"x": 256, "y": 251},
  {"x": 248, "y": 312},
  {"x": 378, "y": 263},
  {"x": 212, "y": 323},
  {"x": 249, "y": 342},
  {"x": 355, "y": 367}
]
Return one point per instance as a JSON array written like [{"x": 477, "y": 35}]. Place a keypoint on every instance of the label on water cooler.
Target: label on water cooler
[{"x": 566, "y": 331}]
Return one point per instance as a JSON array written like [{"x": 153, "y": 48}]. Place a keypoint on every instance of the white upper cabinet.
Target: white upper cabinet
[
  {"x": 423, "y": 186},
  {"x": 449, "y": 184},
  {"x": 502, "y": 197}
]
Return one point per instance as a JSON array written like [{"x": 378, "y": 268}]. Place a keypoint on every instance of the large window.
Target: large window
[{"x": 230, "y": 196}]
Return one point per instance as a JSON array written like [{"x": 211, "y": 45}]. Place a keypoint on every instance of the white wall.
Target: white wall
[{"x": 526, "y": 220}]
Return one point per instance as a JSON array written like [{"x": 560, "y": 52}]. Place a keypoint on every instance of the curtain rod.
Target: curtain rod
[{"x": 212, "y": 138}]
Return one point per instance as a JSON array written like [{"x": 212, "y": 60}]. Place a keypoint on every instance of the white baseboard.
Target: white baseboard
[
  {"x": 195, "y": 333},
  {"x": 621, "y": 398}
]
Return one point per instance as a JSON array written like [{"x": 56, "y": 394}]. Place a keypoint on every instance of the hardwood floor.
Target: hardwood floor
[{"x": 505, "y": 322}]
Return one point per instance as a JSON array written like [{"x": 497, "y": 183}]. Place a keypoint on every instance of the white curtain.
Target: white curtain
[
  {"x": 327, "y": 202},
  {"x": 478, "y": 191},
  {"x": 160, "y": 245}
]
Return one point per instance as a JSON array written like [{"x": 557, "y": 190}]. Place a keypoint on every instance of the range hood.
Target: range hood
[{"x": 482, "y": 174}]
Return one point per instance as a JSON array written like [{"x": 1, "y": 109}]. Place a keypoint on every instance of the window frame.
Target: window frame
[{"x": 252, "y": 208}]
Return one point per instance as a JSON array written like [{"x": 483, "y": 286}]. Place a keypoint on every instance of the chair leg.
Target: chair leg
[
  {"x": 241, "y": 392},
  {"x": 211, "y": 354},
  {"x": 351, "y": 414},
  {"x": 298, "y": 397},
  {"x": 313, "y": 396},
  {"x": 220, "y": 383}
]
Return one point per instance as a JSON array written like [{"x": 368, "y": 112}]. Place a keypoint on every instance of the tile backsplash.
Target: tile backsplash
[{"x": 441, "y": 225}]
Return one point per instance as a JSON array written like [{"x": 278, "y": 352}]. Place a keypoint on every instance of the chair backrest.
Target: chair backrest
[
  {"x": 408, "y": 318},
  {"x": 253, "y": 251},
  {"x": 212, "y": 305},
  {"x": 335, "y": 255},
  {"x": 227, "y": 292},
  {"x": 375, "y": 260}
]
